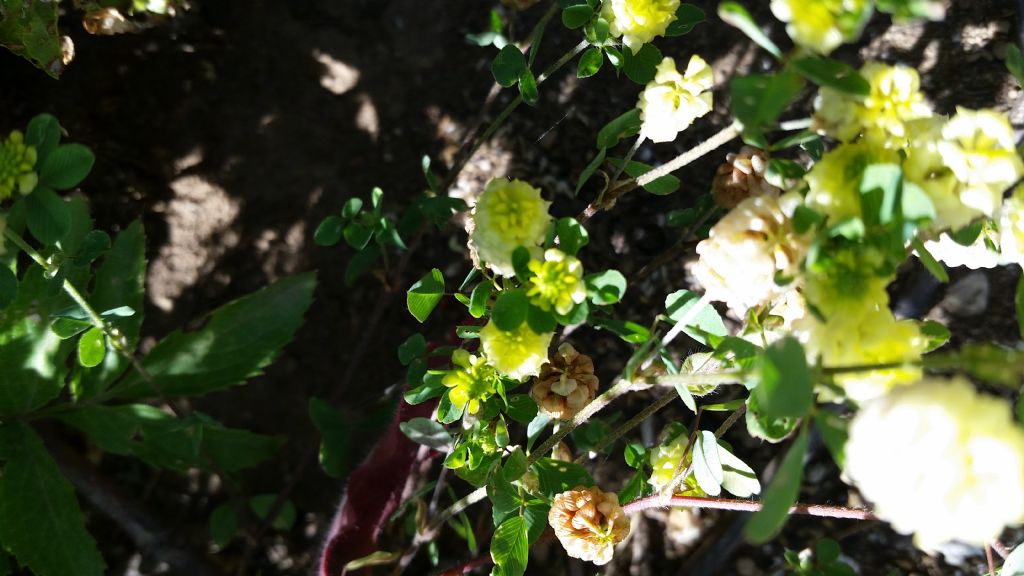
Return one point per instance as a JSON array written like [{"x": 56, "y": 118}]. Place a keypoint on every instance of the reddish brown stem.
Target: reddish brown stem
[{"x": 746, "y": 506}]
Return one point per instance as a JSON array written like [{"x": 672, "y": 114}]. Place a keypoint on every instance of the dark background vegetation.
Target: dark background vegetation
[{"x": 233, "y": 129}]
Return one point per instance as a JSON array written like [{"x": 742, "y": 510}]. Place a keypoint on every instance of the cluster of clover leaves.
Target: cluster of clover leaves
[
  {"x": 71, "y": 312},
  {"x": 503, "y": 450}
]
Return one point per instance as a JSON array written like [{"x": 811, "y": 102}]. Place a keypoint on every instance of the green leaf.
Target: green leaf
[
  {"x": 432, "y": 387},
  {"x": 738, "y": 479},
  {"x": 427, "y": 432},
  {"x": 8, "y": 287},
  {"x": 642, "y": 66},
  {"x": 734, "y": 14},
  {"x": 528, "y": 87},
  {"x": 597, "y": 31},
  {"x": 120, "y": 281},
  {"x": 540, "y": 321},
  {"x": 557, "y": 476},
  {"x": 633, "y": 489},
  {"x": 29, "y": 29},
  {"x": 590, "y": 63},
  {"x": 414, "y": 347},
  {"x": 357, "y": 235},
  {"x": 833, "y": 431},
  {"x": 785, "y": 388},
  {"x": 934, "y": 267},
  {"x": 40, "y": 521},
  {"x": 937, "y": 335},
  {"x": 707, "y": 466},
  {"x": 447, "y": 412},
  {"x": 759, "y": 99},
  {"x": 606, "y": 287},
  {"x": 575, "y": 16},
  {"x": 110, "y": 428},
  {"x": 335, "y": 438},
  {"x": 661, "y": 186},
  {"x": 223, "y": 524},
  {"x": 260, "y": 506},
  {"x": 351, "y": 208},
  {"x": 687, "y": 18},
  {"x": 92, "y": 347},
  {"x": 520, "y": 263},
  {"x": 686, "y": 396},
  {"x": 478, "y": 299},
  {"x": 239, "y": 340},
  {"x": 510, "y": 546},
  {"x": 536, "y": 516},
  {"x": 831, "y": 73},
  {"x": 510, "y": 309},
  {"x": 43, "y": 132},
  {"x": 359, "y": 263},
  {"x": 629, "y": 331},
  {"x": 31, "y": 358},
  {"x": 66, "y": 166},
  {"x": 781, "y": 493},
  {"x": 329, "y": 232},
  {"x": 1015, "y": 64},
  {"x": 508, "y": 65},
  {"x": 590, "y": 169},
  {"x": 571, "y": 236},
  {"x": 707, "y": 321},
  {"x": 635, "y": 455},
  {"x": 94, "y": 244},
  {"x": 424, "y": 295},
  {"x": 880, "y": 188},
  {"x": 626, "y": 125},
  {"x": 521, "y": 408},
  {"x": 49, "y": 217}
]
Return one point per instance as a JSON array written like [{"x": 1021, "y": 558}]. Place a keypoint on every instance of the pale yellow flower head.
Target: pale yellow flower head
[
  {"x": 507, "y": 215},
  {"x": 672, "y": 101},
  {"x": 925, "y": 167},
  {"x": 978, "y": 146},
  {"x": 556, "y": 283},
  {"x": 638, "y": 21},
  {"x": 822, "y": 25},
  {"x": 664, "y": 460},
  {"x": 471, "y": 381},
  {"x": 834, "y": 181},
  {"x": 868, "y": 337},
  {"x": 1011, "y": 229},
  {"x": 17, "y": 163},
  {"x": 983, "y": 253},
  {"x": 939, "y": 460},
  {"x": 747, "y": 249},
  {"x": 516, "y": 353},
  {"x": 895, "y": 99}
]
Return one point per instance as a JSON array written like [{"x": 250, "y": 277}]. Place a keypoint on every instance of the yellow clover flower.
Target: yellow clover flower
[
  {"x": 1011, "y": 228},
  {"x": 672, "y": 101},
  {"x": 939, "y": 460},
  {"x": 16, "y": 166},
  {"x": 664, "y": 460},
  {"x": 822, "y": 25},
  {"x": 638, "y": 21},
  {"x": 895, "y": 99},
  {"x": 508, "y": 214},
  {"x": 869, "y": 337},
  {"x": 925, "y": 167},
  {"x": 747, "y": 249},
  {"x": 845, "y": 283},
  {"x": 471, "y": 382},
  {"x": 834, "y": 181},
  {"x": 515, "y": 353},
  {"x": 556, "y": 282},
  {"x": 978, "y": 146}
]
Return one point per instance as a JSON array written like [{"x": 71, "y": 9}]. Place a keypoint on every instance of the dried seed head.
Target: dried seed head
[
  {"x": 740, "y": 177},
  {"x": 589, "y": 523},
  {"x": 566, "y": 383}
]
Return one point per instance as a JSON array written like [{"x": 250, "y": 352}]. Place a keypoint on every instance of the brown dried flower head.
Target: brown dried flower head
[
  {"x": 740, "y": 177},
  {"x": 566, "y": 383},
  {"x": 589, "y": 523}
]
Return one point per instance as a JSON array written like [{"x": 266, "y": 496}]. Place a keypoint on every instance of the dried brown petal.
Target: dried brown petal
[
  {"x": 566, "y": 383},
  {"x": 740, "y": 177},
  {"x": 589, "y": 523}
]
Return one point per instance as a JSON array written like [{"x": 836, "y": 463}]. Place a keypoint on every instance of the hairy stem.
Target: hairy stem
[{"x": 819, "y": 510}]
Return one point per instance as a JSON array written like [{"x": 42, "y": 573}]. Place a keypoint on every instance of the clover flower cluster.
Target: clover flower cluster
[
  {"x": 940, "y": 461},
  {"x": 638, "y": 22},
  {"x": 17, "y": 166},
  {"x": 672, "y": 101},
  {"x": 821, "y": 26}
]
